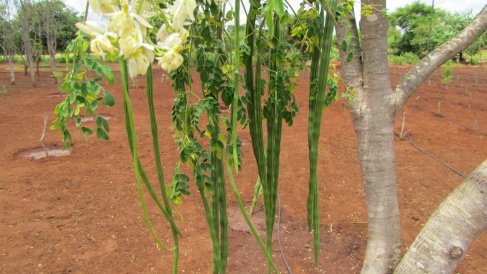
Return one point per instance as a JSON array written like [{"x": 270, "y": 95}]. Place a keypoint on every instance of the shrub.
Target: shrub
[{"x": 407, "y": 58}]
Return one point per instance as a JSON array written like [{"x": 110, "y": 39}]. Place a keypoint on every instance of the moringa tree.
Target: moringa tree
[
  {"x": 25, "y": 7},
  {"x": 8, "y": 32},
  {"x": 374, "y": 108}
]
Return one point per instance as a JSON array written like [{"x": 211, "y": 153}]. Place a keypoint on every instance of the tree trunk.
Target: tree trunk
[
  {"x": 50, "y": 31},
  {"x": 374, "y": 108},
  {"x": 38, "y": 63},
  {"x": 52, "y": 62},
  {"x": 11, "y": 68},
  {"x": 447, "y": 235},
  {"x": 373, "y": 122},
  {"x": 377, "y": 161},
  {"x": 26, "y": 41}
]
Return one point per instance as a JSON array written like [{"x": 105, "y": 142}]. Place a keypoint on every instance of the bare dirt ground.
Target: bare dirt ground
[{"x": 80, "y": 214}]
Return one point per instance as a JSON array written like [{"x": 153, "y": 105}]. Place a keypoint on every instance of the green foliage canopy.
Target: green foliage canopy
[{"x": 418, "y": 28}]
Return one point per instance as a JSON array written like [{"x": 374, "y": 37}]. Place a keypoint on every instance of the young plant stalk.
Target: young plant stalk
[
  {"x": 141, "y": 177},
  {"x": 319, "y": 76}
]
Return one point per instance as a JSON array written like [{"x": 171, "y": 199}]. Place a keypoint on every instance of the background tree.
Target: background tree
[
  {"x": 47, "y": 27},
  {"x": 8, "y": 35},
  {"x": 25, "y": 8},
  {"x": 424, "y": 28},
  {"x": 53, "y": 22},
  {"x": 374, "y": 108}
]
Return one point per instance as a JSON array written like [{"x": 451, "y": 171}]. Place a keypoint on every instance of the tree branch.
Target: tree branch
[
  {"x": 351, "y": 71},
  {"x": 411, "y": 81},
  {"x": 447, "y": 235}
]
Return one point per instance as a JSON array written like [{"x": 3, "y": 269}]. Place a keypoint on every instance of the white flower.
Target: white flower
[
  {"x": 138, "y": 55},
  {"x": 121, "y": 23},
  {"x": 101, "y": 46},
  {"x": 172, "y": 42},
  {"x": 138, "y": 65},
  {"x": 102, "y": 6},
  {"x": 162, "y": 33},
  {"x": 181, "y": 10},
  {"x": 170, "y": 61},
  {"x": 90, "y": 28}
]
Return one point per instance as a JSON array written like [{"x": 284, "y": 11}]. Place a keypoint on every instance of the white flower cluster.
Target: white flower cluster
[{"x": 126, "y": 32}]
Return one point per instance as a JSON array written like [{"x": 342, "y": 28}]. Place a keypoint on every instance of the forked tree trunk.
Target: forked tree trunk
[
  {"x": 374, "y": 108},
  {"x": 452, "y": 228}
]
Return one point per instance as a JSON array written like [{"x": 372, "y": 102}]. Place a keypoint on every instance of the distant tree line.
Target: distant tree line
[
  {"x": 418, "y": 28},
  {"x": 31, "y": 29}
]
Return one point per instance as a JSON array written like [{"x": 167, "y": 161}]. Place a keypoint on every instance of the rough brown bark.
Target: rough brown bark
[
  {"x": 452, "y": 228},
  {"x": 373, "y": 109}
]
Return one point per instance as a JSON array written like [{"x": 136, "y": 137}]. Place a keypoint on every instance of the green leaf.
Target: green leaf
[
  {"x": 107, "y": 71},
  {"x": 229, "y": 15},
  {"x": 344, "y": 45},
  {"x": 64, "y": 111},
  {"x": 100, "y": 133},
  {"x": 277, "y": 6},
  {"x": 350, "y": 56},
  {"x": 108, "y": 99},
  {"x": 87, "y": 131},
  {"x": 102, "y": 122}
]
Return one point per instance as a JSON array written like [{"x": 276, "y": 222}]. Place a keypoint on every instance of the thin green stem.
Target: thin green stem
[
  {"x": 246, "y": 216},
  {"x": 157, "y": 157}
]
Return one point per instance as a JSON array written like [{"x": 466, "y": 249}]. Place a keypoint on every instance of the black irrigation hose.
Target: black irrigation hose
[
  {"x": 432, "y": 156},
  {"x": 284, "y": 260}
]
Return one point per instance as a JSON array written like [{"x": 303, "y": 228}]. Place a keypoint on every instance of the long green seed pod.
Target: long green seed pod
[
  {"x": 237, "y": 77},
  {"x": 317, "y": 103},
  {"x": 141, "y": 178},
  {"x": 157, "y": 157}
]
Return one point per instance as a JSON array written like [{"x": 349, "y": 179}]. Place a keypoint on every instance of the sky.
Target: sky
[{"x": 451, "y": 5}]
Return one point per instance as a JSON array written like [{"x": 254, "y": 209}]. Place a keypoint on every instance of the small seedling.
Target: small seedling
[{"x": 43, "y": 135}]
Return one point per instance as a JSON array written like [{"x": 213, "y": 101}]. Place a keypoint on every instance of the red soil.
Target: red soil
[{"x": 80, "y": 213}]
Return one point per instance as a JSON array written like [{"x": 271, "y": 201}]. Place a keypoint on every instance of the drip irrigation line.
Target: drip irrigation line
[
  {"x": 432, "y": 156},
  {"x": 473, "y": 107},
  {"x": 452, "y": 121},
  {"x": 289, "y": 271}
]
